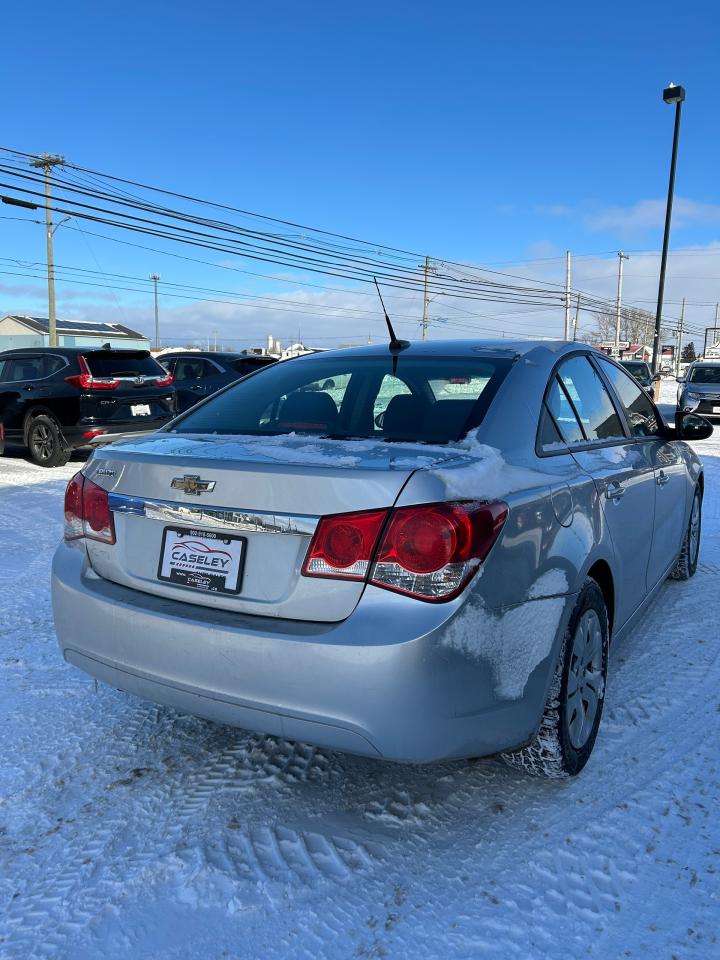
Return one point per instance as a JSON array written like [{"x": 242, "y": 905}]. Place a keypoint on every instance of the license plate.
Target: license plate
[
  {"x": 202, "y": 559},
  {"x": 716, "y": 410},
  {"x": 140, "y": 409}
]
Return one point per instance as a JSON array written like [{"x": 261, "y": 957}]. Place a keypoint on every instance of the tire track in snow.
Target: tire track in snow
[{"x": 68, "y": 893}]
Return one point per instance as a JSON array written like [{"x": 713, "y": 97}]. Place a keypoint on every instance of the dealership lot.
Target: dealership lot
[{"x": 131, "y": 831}]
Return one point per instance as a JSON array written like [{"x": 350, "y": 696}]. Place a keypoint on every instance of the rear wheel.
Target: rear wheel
[
  {"x": 574, "y": 706},
  {"x": 45, "y": 442},
  {"x": 687, "y": 561}
]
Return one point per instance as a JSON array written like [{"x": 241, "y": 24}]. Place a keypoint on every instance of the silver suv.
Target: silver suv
[{"x": 699, "y": 389}]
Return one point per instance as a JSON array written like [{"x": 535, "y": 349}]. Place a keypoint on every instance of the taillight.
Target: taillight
[
  {"x": 87, "y": 511},
  {"x": 2, "y": 432},
  {"x": 343, "y": 545},
  {"x": 432, "y": 551},
  {"x": 73, "y": 508},
  {"x": 429, "y": 551},
  {"x": 165, "y": 381},
  {"x": 85, "y": 380}
]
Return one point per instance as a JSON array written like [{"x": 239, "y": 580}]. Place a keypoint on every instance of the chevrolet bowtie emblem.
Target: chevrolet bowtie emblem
[{"x": 193, "y": 484}]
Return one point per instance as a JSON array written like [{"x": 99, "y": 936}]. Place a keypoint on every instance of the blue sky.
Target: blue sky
[{"x": 493, "y": 135}]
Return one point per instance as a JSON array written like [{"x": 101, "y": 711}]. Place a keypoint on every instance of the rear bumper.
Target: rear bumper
[{"x": 365, "y": 685}]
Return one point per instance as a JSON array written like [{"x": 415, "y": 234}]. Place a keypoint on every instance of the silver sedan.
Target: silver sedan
[{"x": 411, "y": 552}]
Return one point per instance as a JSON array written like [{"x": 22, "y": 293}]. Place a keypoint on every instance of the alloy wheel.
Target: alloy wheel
[
  {"x": 43, "y": 441},
  {"x": 585, "y": 679}
]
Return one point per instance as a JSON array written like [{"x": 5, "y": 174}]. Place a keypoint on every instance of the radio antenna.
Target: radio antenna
[{"x": 395, "y": 343}]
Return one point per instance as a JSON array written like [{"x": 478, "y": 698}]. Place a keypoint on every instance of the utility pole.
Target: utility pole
[
  {"x": 577, "y": 316},
  {"x": 621, "y": 256},
  {"x": 427, "y": 269},
  {"x": 567, "y": 294},
  {"x": 155, "y": 277},
  {"x": 680, "y": 339},
  {"x": 47, "y": 161}
]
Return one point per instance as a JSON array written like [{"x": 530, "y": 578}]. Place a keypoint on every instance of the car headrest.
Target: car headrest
[
  {"x": 447, "y": 418},
  {"x": 404, "y": 415},
  {"x": 305, "y": 410}
]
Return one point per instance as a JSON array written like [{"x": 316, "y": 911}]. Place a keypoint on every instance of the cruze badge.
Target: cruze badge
[{"x": 193, "y": 484}]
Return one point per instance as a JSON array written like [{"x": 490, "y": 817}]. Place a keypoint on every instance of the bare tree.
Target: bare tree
[{"x": 636, "y": 326}]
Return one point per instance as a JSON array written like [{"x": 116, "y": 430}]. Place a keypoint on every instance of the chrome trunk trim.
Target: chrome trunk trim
[{"x": 226, "y": 518}]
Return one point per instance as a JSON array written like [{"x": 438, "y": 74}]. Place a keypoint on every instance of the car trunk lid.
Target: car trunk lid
[{"x": 257, "y": 499}]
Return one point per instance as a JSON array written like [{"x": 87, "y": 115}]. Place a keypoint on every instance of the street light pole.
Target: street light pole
[
  {"x": 671, "y": 94},
  {"x": 155, "y": 277}
]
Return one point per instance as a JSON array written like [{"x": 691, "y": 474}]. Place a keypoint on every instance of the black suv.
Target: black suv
[
  {"x": 54, "y": 399},
  {"x": 198, "y": 374}
]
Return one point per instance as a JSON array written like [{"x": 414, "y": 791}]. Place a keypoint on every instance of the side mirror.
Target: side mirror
[
  {"x": 680, "y": 379},
  {"x": 657, "y": 377},
  {"x": 689, "y": 426}
]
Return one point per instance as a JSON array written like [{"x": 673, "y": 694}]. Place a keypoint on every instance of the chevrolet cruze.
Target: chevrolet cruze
[{"x": 411, "y": 552}]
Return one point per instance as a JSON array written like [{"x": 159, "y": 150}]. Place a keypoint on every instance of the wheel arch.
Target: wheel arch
[
  {"x": 36, "y": 410},
  {"x": 601, "y": 573}
]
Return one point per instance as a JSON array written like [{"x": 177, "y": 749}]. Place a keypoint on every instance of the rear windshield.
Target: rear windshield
[
  {"x": 705, "y": 374},
  {"x": 123, "y": 363},
  {"x": 421, "y": 399},
  {"x": 637, "y": 369}
]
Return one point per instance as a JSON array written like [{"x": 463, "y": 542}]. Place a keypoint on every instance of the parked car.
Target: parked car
[
  {"x": 640, "y": 369},
  {"x": 425, "y": 560},
  {"x": 197, "y": 375},
  {"x": 699, "y": 388},
  {"x": 55, "y": 399}
]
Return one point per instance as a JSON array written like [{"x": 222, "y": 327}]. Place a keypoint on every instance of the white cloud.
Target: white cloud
[{"x": 647, "y": 215}]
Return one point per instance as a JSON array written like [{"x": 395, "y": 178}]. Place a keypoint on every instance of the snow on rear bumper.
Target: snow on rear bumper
[{"x": 381, "y": 683}]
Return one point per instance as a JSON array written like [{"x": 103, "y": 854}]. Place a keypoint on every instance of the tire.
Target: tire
[
  {"x": 568, "y": 729},
  {"x": 687, "y": 561},
  {"x": 45, "y": 442}
]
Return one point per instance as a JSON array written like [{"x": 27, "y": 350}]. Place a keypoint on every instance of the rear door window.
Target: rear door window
[
  {"x": 642, "y": 415},
  {"x": 591, "y": 400},
  {"x": 25, "y": 368},
  {"x": 193, "y": 368},
  {"x": 563, "y": 414}
]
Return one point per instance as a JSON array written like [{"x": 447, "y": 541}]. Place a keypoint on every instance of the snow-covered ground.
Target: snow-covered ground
[{"x": 128, "y": 831}]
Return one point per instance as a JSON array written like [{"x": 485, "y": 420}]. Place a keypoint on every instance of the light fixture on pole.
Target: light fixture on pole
[
  {"x": 671, "y": 94},
  {"x": 155, "y": 277}
]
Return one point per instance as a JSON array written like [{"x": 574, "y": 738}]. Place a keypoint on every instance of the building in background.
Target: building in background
[
  {"x": 275, "y": 349},
  {"x": 16, "y": 332}
]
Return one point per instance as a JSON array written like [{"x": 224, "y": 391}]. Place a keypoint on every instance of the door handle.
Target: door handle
[
  {"x": 197, "y": 387},
  {"x": 662, "y": 479},
  {"x": 29, "y": 387},
  {"x": 614, "y": 491}
]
